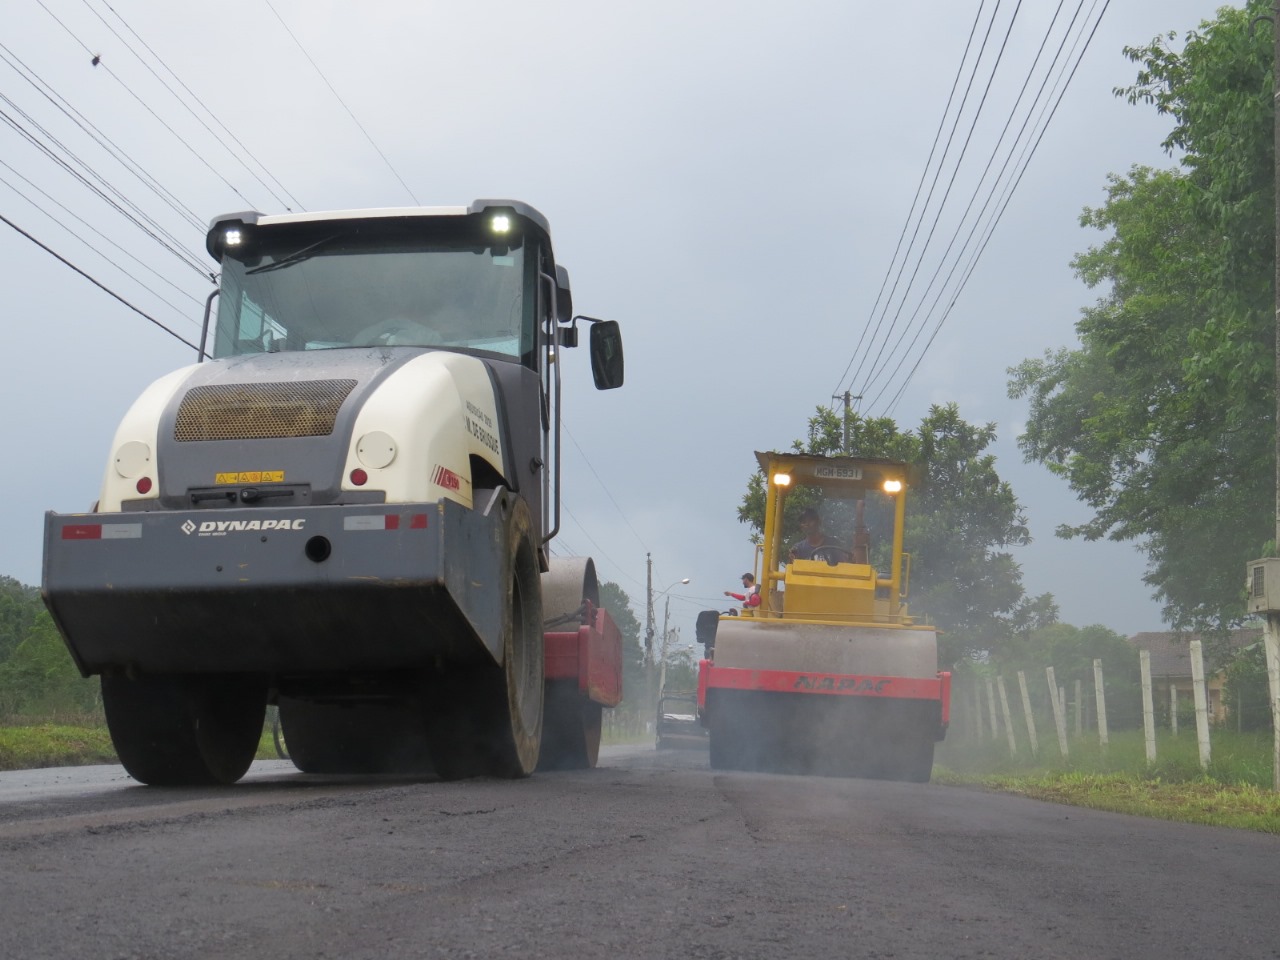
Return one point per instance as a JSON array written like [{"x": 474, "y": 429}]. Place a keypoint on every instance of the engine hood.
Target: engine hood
[{"x": 285, "y": 428}]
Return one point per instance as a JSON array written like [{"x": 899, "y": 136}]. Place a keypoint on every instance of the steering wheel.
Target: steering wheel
[
  {"x": 396, "y": 331},
  {"x": 833, "y": 555}
]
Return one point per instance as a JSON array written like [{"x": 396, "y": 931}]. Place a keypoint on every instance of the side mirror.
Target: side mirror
[
  {"x": 704, "y": 628},
  {"x": 606, "y": 354}
]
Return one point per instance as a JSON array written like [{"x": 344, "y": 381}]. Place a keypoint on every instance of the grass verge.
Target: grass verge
[
  {"x": 76, "y": 744},
  {"x": 1206, "y": 801},
  {"x": 54, "y": 745},
  {"x": 1234, "y": 790}
]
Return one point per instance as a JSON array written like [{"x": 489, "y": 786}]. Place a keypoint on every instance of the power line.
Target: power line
[
  {"x": 150, "y": 227},
  {"x": 882, "y": 375},
  {"x": 341, "y": 101},
  {"x": 238, "y": 157},
  {"x": 863, "y": 389},
  {"x": 94, "y": 229},
  {"x": 591, "y": 540},
  {"x": 98, "y": 64},
  {"x": 97, "y": 283},
  {"x": 1007, "y": 199},
  {"x": 75, "y": 116},
  {"x": 621, "y": 513},
  {"x": 874, "y": 375},
  {"x": 929, "y": 198},
  {"x": 942, "y": 122}
]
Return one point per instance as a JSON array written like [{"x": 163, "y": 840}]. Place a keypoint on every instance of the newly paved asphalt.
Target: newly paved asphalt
[{"x": 650, "y": 855}]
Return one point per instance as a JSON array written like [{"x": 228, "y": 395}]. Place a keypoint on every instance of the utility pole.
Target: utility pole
[
  {"x": 648, "y": 634},
  {"x": 1263, "y": 576},
  {"x": 648, "y": 607},
  {"x": 1271, "y": 637},
  {"x": 848, "y": 398},
  {"x": 666, "y": 638}
]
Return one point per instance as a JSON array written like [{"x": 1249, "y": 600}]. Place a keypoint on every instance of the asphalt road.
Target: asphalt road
[{"x": 650, "y": 855}]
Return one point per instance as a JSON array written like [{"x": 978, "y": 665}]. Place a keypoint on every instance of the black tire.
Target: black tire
[
  {"x": 385, "y": 737},
  {"x": 571, "y": 727},
  {"x": 178, "y": 731},
  {"x": 486, "y": 720}
]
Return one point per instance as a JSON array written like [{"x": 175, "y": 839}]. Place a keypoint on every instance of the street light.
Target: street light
[
  {"x": 666, "y": 639},
  {"x": 667, "y": 612},
  {"x": 648, "y": 632},
  {"x": 650, "y": 597}
]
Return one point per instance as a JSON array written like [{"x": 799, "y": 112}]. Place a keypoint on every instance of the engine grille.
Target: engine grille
[{"x": 260, "y": 411}]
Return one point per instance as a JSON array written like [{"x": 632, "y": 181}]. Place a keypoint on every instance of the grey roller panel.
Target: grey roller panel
[
  {"x": 816, "y": 648},
  {"x": 568, "y": 582}
]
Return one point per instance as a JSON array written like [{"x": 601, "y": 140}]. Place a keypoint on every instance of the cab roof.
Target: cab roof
[
  {"x": 255, "y": 218},
  {"x": 816, "y": 470}
]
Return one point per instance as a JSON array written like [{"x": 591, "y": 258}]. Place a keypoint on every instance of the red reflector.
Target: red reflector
[
  {"x": 82, "y": 531},
  {"x": 418, "y": 521},
  {"x": 393, "y": 521},
  {"x": 359, "y": 477},
  {"x": 144, "y": 484}
]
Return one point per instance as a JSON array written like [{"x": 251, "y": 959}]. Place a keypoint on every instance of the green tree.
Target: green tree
[
  {"x": 960, "y": 517},
  {"x": 1162, "y": 421},
  {"x": 40, "y": 679},
  {"x": 1245, "y": 694},
  {"x": 19, "y": 607}
]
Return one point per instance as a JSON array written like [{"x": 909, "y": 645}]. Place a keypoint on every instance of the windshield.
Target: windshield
[
  {"x": 334, "y": 285},
  {"x": 839, "y": 525}
]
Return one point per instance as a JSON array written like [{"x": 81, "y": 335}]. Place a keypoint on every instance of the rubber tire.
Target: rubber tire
[
  {"x": 571, "y": 726},
  {"x": 359, "y": 738},
  {"x": 486, "y": 720},
  {"x": 178, "y": 731}
]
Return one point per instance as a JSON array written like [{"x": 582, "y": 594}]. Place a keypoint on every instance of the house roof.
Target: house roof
[{"x": 1171, "y": 652}]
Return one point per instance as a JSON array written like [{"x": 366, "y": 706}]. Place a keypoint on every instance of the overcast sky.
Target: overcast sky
[{"x": 728, "y": 180}]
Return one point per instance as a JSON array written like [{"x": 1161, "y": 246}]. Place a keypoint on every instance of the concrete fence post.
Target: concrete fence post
[
  {"x": 1202, "y": 706},
  {"x": 1026, "y": 711},
  {"x": 1272, "y": 644},
  {"x": 991, "y": 703},
  {"x": 1100, "y": 694},
  {"x": 1059, "y": 716},
  {"x": 1148, "y": 708},
  {"x": 1173, "y": 707},
  {"x": 1079, "y": 708},
  {"x": 1008, "y": 720}
]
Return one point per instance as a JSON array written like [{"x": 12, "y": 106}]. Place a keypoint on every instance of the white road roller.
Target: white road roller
[{"x": 345, "y": 508}]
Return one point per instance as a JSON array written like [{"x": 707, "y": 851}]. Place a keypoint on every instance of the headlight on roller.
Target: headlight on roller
[
  {"x": 376, "y": 450},
  {"x": 133, "y": 459}
]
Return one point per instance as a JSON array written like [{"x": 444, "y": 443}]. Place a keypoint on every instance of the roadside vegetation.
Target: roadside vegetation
[
  {"x": 1233, "y": 792},
  {"x": 69, "y": 742}
]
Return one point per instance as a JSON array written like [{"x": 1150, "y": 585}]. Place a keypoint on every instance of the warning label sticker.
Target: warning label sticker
[{"x": 250, "y": 476}]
